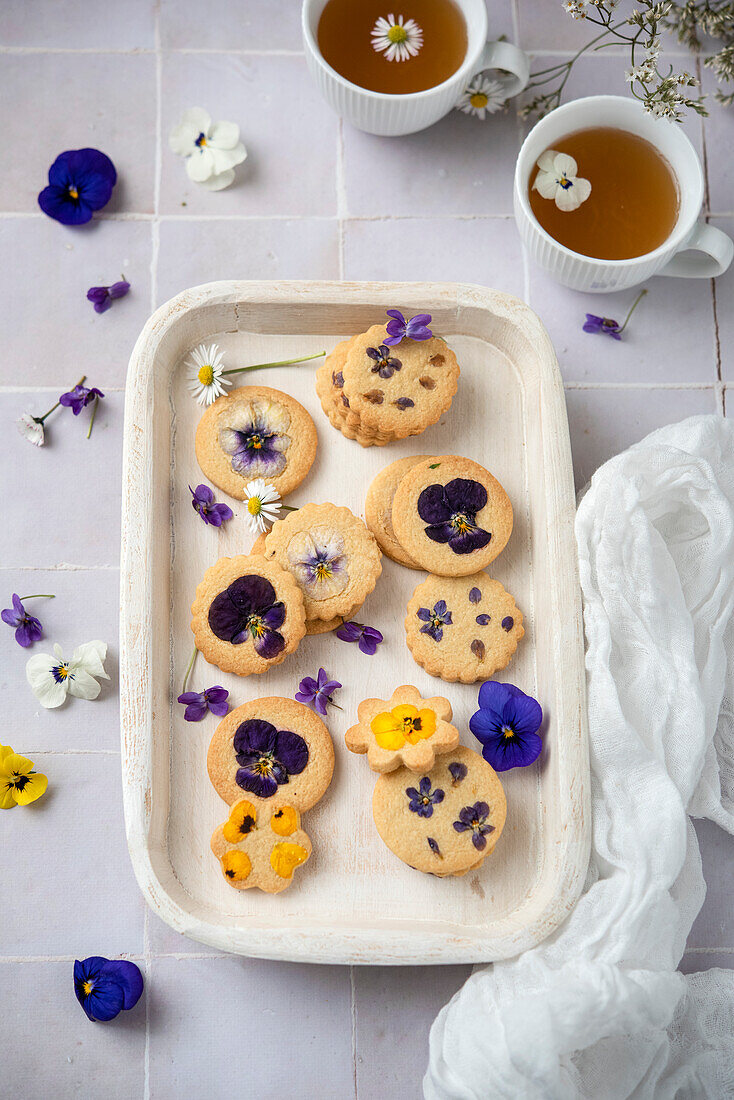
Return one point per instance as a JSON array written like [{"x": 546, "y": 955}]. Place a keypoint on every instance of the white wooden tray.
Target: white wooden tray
[{"x": 354, "y": 902}]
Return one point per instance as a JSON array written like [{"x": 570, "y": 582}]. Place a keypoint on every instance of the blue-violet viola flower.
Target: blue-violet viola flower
[
  {"x": 424, "y": 799},
  {"x": 385, "y": 364},
  {"x": 605, "y": 325},
  {"x": 198, "y": 703},
  {"x": 106, "y": 987},
  {"x": 474, "y": 818},
  {"x": 507, "y": 725},
  {"x": 414, "y": 329},
  {"x": 367, "y": 637},
  {"x": 27, "y": 627},
  {"x": 78, "y": 398},
  {"x": 267, "y": 756},
  {"x": 80, "y": 181},
  {"x": 451, "y": 510},
  {"x": 104, "y": 296},
  {"x": 317, "y": 694},
  {"x": 203, "y": 503}
]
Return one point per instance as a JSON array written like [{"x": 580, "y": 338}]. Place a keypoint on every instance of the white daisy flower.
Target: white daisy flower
[
  {"x": 32, "y": 428},
  {"x": 53, "y": 678},
  {"x": 557, "y": 179},
  {"x": 482, "y": 97},
  {"x": 399, "y": 40},
  {"x": 263, "y": 504},
  {"x": 212, "y": 149},
  {"x": 206, "y": 377}
]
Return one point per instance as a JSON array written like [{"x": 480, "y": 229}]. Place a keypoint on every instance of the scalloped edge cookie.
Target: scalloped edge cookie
[
  {"x": 272, "y": 843},
  {"x": 417, "y": 757}
]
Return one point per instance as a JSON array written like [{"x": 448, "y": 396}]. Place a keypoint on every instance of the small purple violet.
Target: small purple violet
[
  {"x": 317, "y": 694},
  {"x": 27, "y": 627},
  {"x": 78, "y": 398},
  {"x": 385, "y": 364},
  {"x": 203, "y": 503},
  {"x": 606, "y": 325},
  {"x": 104, "y": 296},
  {"x": 414, "y": 329},
  {"x": 367, "y": 637},
  {"x": 198, "y": 703}
]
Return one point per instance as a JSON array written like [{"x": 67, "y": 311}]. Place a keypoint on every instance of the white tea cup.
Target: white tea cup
[
  {"x": 693, "y": 249},
  {"x": 391, "y": 115}
]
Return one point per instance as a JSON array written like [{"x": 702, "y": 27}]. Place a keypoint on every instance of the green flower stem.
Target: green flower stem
[
  {"x": 40, "y": 419},
  {"x": 187, "y": 673},
  {"x": 39, "y": 596},
  {"x": 94, "y": 413},
  {"x": 333, "y": 704},
  {"x": 289, "y": 507},
  {"x": 282, "y": 363},
  {"x": 632, "y": 309}
]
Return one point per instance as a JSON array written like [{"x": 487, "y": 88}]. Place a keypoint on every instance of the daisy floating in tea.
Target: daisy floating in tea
[
  {"x": 398, "y": 39},
  {"x": 557, "y": 179}
]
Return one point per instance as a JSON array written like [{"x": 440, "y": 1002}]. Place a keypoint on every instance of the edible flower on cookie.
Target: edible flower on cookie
[
  {"x": 255, "y": 437},
  {"x": 450, "y": 511},
  {"x": 403, "y": 730},
  {"x": 260, "y": 847},
  {"x": 248, "y": 608}
]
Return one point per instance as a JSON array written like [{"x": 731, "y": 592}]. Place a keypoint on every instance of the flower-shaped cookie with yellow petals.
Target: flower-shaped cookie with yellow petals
[
  {"x": 405, "y": 730},
  {"x": 261, "y": 846}
]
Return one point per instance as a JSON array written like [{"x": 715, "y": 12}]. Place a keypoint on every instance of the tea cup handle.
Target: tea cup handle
[
  {"x": 516, "y": 63},
  {"x": 707, "y": 253}
]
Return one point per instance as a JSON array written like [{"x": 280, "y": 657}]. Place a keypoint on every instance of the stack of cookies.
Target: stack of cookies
[
  {"x": 450, "y": 516},
  {"x": 375, "y": 393}
]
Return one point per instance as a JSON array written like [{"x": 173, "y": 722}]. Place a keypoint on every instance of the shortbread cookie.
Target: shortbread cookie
[
  {"x": 271, "y": 749},
  {"x": 331, "y": 554},
  {"x": 401, "y": 389},
  {"x": 329, "y": 389},
  {"x": 451, "y": 516},
  {"x": 324, "y": 626},
  {"x": 248, "y": 614},
  {"x": 378, "y": 507},
  {"x": 258, "y": 546},
  {"x": 261, "y": 846},
  {"x": 404, "y": 730},
  {"x": 462, "y": 628},
  {"x": 252, "y": 432},
  {"x": 447, "y": 821},
  {"x": 354, "y": 433}
]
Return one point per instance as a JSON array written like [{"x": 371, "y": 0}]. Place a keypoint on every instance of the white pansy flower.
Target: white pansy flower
[
  {"x": 212, "y": 149},
  {"x": 52, "y": 678},
  {"x": 32, "y": 428},
  {"x": 399, "y": 39},
  {"x": 206, "y": 380},
  {"x": 263, "y": 504},
  {"x": 557, "y": 179},
  {"x": 482, "y": 97}
]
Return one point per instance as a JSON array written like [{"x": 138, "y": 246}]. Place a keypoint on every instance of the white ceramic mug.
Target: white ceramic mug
[
  {"x": 693, "y": 249},
  {"x": 390, "y": 115}
]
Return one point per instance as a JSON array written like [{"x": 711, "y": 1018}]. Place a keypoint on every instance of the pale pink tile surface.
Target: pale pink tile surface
[
  {"x": 714, "y": 926},
  {"x": 125, "y": 26},
  {"x": 725, "y": 308},
  {"x": 222, "y": 25},
  {"x": 719, "y": 127}
]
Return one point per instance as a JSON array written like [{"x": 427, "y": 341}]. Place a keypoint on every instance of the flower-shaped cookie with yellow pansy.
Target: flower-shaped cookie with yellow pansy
[
  {"x": 261, "y": 846},
  {"x": 404, "y": 730}
]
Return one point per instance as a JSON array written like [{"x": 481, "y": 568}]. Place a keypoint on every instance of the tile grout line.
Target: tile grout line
[
  {"x": 639, "y": 385},
  {"x": 61, "y": 567},
  {"x": 10, "y": 215}
]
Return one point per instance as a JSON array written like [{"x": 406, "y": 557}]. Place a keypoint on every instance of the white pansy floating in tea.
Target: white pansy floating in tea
[
  {"x": 482, "y": 97},
  {"x": 255, "y": 436},
  {"x": 557, "y": 179},
  {"x": 206, "y": 374},
  {"x": 318, "y": 561},
  {"x": 397, "y": 39}
]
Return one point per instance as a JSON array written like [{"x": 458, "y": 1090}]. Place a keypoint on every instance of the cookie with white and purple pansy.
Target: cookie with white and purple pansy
[
  {"x": 330, "y": 553},
  {"x": 400, "y": 389},
  {"x": 252, "y": 432},
  {"x": 445, "y": 821},
  {"x": 403, "y": 731},
  {"x": 462, "y": 628},
  {"x": 451, "y": 515},
  {"x": 248, "y": 614},
  {"x": 261, "y": 846},
  {"x": 271, "y": 750}
]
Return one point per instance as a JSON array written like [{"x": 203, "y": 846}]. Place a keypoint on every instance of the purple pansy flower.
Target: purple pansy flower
[
  {"x": 435, "y": 620},
  {"x": 507, "y": 725},
  {"x": 27, "y": 627},
  {"x": 256, "y": 439},
  {"x": 203, "y": 503},
  {"x": 451, "y": 510},
  {"x": 458, "y": 772},
  {"x": 104, "y": 296},
  {"x": 80, "y": 181},
  {"x": 604, "y": 325},
  {"x": 414, "y": 329},
  {"x": 197, "y": 703},
  {"x": 385, "y": 365},
  {"x": 367, "y": 637},
  {"x": 316, "y": 694},
  {"x": 475, "y": 818},
  {"x": 248, "y": 608},
  {"x": 106, "y": 987},
  {"x": 267, "y": 756},
  {"x": 424, "y": 799},
  {"x": 78, "y": 398}
]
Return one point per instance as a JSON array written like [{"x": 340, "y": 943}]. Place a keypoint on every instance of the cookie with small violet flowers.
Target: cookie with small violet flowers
[
  {"x": 271, "y": 750},
  {"x": 329, "y": 381},
  {"x": 404, "y": 730},
  {"x": 261, "y": 845},
  {"x": 378, "y": 507},
  {"x": 451, "y": 516},
  {"x": 252, "y": 432},
  {"x": 462, "y": 628},
  {"x": 445, "y": 821},
  {"x": 248, "y": 614},
  {"x": 399, "y": 389},
  {"x": 332, "y": 556}
]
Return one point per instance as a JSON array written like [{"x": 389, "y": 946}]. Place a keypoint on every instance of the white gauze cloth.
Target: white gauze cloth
[{"x": 598, "y": 1009}]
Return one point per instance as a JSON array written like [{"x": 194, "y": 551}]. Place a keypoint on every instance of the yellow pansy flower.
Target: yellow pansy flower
[
  {"x": 403, "y": 723},
  {"x": 19, "y": 784},
  {"x": 236, "y": 865},
  {"x": 242, "y": 818},
  {"x": 285, "y": 857},
  {"x": 284, "y": 821}
]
